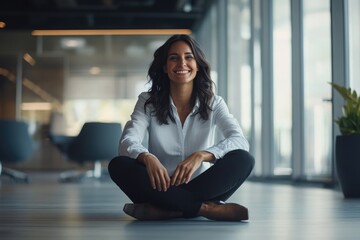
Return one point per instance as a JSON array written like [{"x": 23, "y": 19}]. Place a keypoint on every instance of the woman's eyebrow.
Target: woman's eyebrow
[{"x": 187, "y": 53}]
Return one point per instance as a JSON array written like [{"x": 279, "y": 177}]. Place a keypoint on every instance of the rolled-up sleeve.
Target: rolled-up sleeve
[
  {"x": 135, "y": 129},
  {"x": 229, "y": 128}
]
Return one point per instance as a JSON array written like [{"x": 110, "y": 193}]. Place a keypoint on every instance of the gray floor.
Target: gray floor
[{"x": 46, "y": 209}]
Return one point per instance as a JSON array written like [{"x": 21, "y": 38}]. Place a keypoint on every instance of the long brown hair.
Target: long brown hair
[{"x": 160, "y": 89}]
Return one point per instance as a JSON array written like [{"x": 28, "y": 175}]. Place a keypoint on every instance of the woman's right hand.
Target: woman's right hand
[{"x": 159, "y": 177}]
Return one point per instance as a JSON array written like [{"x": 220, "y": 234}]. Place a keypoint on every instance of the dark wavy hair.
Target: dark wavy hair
[{"x": 160, "y": 89}]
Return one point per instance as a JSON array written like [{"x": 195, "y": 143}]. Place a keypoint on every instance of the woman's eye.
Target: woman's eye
[
  {"x": 172, "y": 58},
  {"x": 176, "y": 58}
]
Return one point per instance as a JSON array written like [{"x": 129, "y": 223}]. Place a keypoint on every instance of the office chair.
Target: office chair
[
  {"x": 96, "y": 142},
  {"x": 16, "y": 145}
]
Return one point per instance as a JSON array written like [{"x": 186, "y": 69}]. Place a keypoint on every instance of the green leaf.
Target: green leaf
[{"x": 349, "y": 122}]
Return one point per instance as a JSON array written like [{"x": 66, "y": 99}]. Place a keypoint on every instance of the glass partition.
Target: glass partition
[
  {"x": 67, "y": 81},
  {"x": 239, "y": 62},
  {"x": 282, "y": 95},
  {"x": 257, "y": 76},
  {"x": 354, "y": 43},
  {"x": 317, "y": 91}
]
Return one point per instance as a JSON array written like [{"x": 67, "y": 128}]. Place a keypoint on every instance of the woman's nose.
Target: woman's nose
[{"x": 182, "y": 62}]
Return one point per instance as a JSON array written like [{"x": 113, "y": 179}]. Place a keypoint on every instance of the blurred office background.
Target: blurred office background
[{"x": 272, "y": 60}]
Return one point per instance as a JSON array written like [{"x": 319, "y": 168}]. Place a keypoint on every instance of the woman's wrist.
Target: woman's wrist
[
  {"x": 145, "y": 157},
  {"x": 206, "y": 156}
]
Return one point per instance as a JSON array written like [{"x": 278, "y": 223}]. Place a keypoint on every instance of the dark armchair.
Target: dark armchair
[
  {"x": 16, "y": 145},
  {"x": 96, "y": 142}
]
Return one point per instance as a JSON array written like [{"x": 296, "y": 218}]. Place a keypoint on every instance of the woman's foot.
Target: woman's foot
[
  {"x": 147, "y": 211},
  {"x": 223, "y": 211}
]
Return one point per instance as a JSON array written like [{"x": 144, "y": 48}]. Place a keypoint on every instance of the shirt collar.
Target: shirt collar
[{"x": 194, "y": 110}]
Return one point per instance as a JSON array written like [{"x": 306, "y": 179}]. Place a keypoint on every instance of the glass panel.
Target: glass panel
[
  {"x": 207, "y": 36},
  {"x": 239, "y": 71},
  {"x": 70, "y": 80},
  {"x": 102, "y": 76},
  {"x": 317, "y": 91},
  {"x": 256, "y": 148},
  {"x": 354, "y": 43},
  {"x": 282, "y": 87}
]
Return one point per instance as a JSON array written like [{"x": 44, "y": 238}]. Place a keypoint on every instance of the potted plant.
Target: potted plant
[{"x": 347, "y": 148}]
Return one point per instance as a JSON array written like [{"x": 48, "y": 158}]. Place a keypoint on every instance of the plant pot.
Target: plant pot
[{"x": 347, "y": 161}]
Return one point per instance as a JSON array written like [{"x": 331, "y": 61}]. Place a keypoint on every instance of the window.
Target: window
[
  {"x": 239, "y": 70},
  {"x": 257, "y": 78},
  {"x": 354, "y": 43},
  {"x": 317, "y": 91},
  {"x": 282, "y": 96}
]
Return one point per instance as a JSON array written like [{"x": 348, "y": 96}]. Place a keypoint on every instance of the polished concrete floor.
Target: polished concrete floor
[{"x": 47, "y": 209}]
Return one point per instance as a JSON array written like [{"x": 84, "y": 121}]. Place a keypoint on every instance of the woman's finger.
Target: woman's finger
[
  {"x": 174, "y": 177},
  {"x": 167, "y": 180},
  {"x": 152, "y": 180},
  {"x": 158, "y": 182},
  {"x": 188, "y": 176},
  {"x": 180, "y": 177},
  {"x": 163, "y": 182}
]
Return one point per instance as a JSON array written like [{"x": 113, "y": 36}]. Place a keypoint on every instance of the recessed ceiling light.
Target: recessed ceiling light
[
  {"x": 72, "y": 42},
  {"x": 187, "y": 7},
  {"x": 2, "y": 24},
  {"x": 95, "y": 70}
]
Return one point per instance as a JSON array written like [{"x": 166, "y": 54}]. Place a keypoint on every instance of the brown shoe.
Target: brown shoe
[
  {"x": 147, "y": 211},
  {"x": 224, "y": 212}
]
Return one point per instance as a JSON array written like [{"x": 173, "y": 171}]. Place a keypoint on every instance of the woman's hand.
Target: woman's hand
[
  {"x": 186, "y": 168},
  {"x": 158, "y": 174}
]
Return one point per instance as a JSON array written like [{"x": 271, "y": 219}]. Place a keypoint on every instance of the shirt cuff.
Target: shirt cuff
[{"x": 218, "y": 153}]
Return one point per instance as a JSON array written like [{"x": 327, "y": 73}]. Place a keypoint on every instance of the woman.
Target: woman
[{"x": 182, "y": 173}]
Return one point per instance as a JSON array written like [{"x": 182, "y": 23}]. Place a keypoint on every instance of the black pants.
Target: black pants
[{"x": 217, "y": 183}]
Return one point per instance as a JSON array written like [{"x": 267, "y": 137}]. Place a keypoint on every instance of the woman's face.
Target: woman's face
[{"x": 181, "y": 65}]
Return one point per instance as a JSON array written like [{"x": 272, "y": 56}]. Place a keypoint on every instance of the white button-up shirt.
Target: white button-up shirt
[{"x": 173, "y": 143}]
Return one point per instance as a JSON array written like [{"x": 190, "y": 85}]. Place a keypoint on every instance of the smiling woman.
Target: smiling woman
[{"x": 181, "y": 114}]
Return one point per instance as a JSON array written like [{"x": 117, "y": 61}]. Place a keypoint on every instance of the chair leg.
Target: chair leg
[
  {"x": 14, "y": 174},
  {"x": 71, "y": 176},
  {"x": 97, "y": 169},
  {"x": 96, "y": 172}
]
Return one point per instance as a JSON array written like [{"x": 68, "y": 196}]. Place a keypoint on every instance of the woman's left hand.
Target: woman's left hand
[{"x": 186, "y": 168}]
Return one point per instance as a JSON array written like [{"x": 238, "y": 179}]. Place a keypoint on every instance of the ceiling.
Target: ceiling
[{"x": 102, "y": 14}]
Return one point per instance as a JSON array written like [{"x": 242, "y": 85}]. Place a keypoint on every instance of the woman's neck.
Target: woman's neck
[{"x": 181, "y": 97}]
